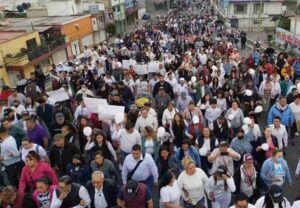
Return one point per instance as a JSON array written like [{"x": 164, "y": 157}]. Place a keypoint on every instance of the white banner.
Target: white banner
[
  {"x": 108, "y": 112},
  {"x": 141, "y": 69},
  {"x": 58, "y": 95},
  {"x": 92, "y": 104},
  {"x": 127, "y": 63}
]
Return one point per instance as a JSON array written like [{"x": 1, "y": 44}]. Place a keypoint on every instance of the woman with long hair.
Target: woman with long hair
[
  {"x": 187, "y": 149},
  {"x": 237, "y": 116},
  {"x": 30, "y": 105},
  {"x": 100, "y": 163},
  {"x": 43, "y": 192},
  {"x": 100, "y": 143},
  {"x": 149, "y": 142},
  {"x": 273, "y": 199},
  {"x": 166, "y": 162},
  {"x": 219, "y": 188},
  {"x": 177, "y": 129},
  {"x": 33, "y": 170},
  {"x": 267, "y": 138},
  {"x": 169, "y": 192}
]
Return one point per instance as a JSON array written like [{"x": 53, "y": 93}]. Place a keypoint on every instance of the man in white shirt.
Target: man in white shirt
[
  {"x": 127, "y": 138},
  {"x": 146, "y": 172},
  {"x": 241, "y": 201},
  {"x": 10, "y": 157},
  {"x": 279, "y": 131},
  {"x": 103, "y": 192},
  {"x": 145, "y": 120}
]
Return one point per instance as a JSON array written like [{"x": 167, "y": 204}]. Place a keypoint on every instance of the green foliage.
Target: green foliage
[
  {"x": 285, "y": 23},
  {"x": 111, "y": 29}
]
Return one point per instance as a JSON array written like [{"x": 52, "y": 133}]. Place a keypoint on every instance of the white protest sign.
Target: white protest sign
[
  {"x": 58, "y": 95},
  {"x": 141, "y": 69},
  {"x": 93, "y": 103},
  {"x": 108, "y": 112},
  {"x": 127, "y": 63},
  {"x": 153, "y": 67}
]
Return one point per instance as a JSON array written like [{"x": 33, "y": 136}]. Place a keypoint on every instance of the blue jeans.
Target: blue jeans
[
  {"x": 149, "y": 182},
  {"x": 201, "y": 202}
]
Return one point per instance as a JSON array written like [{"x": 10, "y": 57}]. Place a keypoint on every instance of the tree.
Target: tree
[
  {"x": 111, "y": 29},
  {"x": 284, "y": 23}
]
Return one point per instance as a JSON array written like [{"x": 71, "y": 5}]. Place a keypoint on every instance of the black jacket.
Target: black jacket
[
  {"x": 60, "y": 157},
  {"x": 168, "y": 88},
  {"x": 110, "y": 191}
]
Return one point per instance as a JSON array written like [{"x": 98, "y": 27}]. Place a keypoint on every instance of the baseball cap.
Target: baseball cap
[
  {"x": 248, "y": 158},
  {"x": 222, "y": 169},
  {"x": 59, "y": 115},
  {"x": 131, "y": 187},
  {"x": 276, "y": 193},
  {"x": 181, "y": 79},
  {"x": 57, "y": 104},
  {"x": 223, "y": 143}
]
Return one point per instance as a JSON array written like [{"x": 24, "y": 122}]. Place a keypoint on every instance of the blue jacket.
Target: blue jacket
[
  {"x": 267, "y": 171},
  {"x": 193, "y": 153},
  {"x": 286, "y": 115},
  {"x": 296, "y": 66}
]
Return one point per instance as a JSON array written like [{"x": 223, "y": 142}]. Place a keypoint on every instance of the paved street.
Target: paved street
[{"x": 293, "y": 152}]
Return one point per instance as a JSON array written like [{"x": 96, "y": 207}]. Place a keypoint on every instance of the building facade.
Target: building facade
[{"x": 249, "y": 14}]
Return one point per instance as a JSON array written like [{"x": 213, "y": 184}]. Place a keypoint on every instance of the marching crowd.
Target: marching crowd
[{"x": 190, "y": 135}]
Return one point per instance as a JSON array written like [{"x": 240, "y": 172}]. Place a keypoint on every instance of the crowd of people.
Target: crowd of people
[{"x": 191, "y": 134}]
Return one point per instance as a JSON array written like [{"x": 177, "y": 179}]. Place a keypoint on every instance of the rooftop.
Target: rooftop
[
  {"x": 39, "y": 23},
  {"x": 8, "y": 35}
]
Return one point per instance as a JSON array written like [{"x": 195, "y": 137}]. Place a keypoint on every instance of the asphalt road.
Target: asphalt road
[{"x": 293, "y": 152}]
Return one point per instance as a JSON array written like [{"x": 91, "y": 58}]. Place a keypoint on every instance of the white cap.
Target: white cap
[{"x": 181, "y": 79}]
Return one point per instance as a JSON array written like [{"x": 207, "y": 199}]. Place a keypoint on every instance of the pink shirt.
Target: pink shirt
[
  {"x": 270, "y": 150},
  {"x": 30, "y": 178}
]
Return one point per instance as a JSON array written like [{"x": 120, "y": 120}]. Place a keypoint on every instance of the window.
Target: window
[
  {"x": 240, "y": 9},
  {"x": 257, "y": 9},
  {"x": 31, "y": 43},
  {"x": 257, "y": 22}
]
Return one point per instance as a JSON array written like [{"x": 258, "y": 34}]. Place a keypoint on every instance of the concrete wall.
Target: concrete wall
[
  {"x": 295, "y": 25},
  {"x": 59, "y": 56},
  {"x": 62, "y": 8}
]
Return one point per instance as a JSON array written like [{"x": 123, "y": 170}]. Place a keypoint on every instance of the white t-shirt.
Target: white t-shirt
[
  {"x": 193, "y": 184},
  {"x": 37, "y": 148},
  {"x": 170, "y": 194}
]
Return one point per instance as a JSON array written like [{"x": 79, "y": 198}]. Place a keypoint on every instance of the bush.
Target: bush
[{"x": 270, "y": 37}]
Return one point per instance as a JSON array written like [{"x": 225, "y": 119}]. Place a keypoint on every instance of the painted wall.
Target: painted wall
[
  {"x": 62, "y": 8},
  {"x": 84, "y": 25},
  {"x": 14, "y": 46}
]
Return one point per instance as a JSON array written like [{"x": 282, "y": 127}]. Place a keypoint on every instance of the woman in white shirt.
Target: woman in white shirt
[
  {"x": 30, "y": 105},
  {"x": 169, "y": 114},
  {"x": 219, "y": 188},
  {"x": 191, "y": 182},
  {"x": 170, "y": 194}
]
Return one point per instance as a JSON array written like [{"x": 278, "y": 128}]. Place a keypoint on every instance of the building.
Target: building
[
  {"x": 20, "y": 51},
  {"x": 249, "y": 14},
  {"x": 290, "y": 40},
  {"x": 117, "y": 6},
  {"x": 131, "y": 10}
]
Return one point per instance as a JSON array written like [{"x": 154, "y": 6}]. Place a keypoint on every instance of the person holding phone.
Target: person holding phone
[
  {"x": 219, "y": 188},
  {"x": 223, "y": 156}
]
